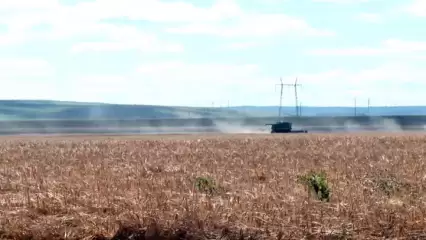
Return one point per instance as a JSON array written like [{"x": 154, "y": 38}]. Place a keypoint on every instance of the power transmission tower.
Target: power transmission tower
[
  {"x": 355, "y": 107},
  {"x": 281, "y": 98},
  {"x": 369, "y": 106},
  {"x": 295, "y": 85},
  {"x": 296, "y": 99},
  {"x": 300, "y": 109}
]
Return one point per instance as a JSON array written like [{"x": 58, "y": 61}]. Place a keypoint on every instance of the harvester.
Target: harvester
[{"x": 284, "y": 127}]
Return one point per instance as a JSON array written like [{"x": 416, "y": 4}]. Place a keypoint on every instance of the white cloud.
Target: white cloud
[
  {"x": 271, "y": 2},
  {"x": 97, "y": 84},
  {"x": 180, "y": 83},
  {"x": 388, "y": 84},
  {"x": 223, "y": 18},
  {"x": 176, "y": 83},
  {"x": 369, "y": 17},
  {"x": 342, "y": 1},
  {"x": 417, "y": 8},
  {"x": 390, "y": 46},
  {"x": 18, "y": 67},
  {"x": 359, "y": 51},
  {"x": 9, "y": 5},
  {"x": 12, "y": 38},
  {"x": 102, "y": 88},
  {"x": 19, "y": 23},
  {"x": 22, "y": 15},
  {"x": 198, "y": 74},
  {"x": 127, "y": 38},
  {"x": 61, "y": 22},
  {"x": 157, "y": 11},
  {"x": 405, "y": 46},
  {"x": 253, "y": 24},
  {"x": 243, "y": 45},
  {"x": 26, "y": 78},
  {"x": 29, "y": 89},
  {"x": 389, "y": 74},
  {"x": 120, "y": 46}
]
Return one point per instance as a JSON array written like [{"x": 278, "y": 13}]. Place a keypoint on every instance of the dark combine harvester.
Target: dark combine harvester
[{"x": 284, "y": 127}]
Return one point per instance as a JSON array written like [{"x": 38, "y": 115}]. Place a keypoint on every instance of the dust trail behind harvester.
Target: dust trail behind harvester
[
  {"x": 352, "y": 125},
  {"x": 225, "y": 127},
  {"x": 239, "y": 127}
]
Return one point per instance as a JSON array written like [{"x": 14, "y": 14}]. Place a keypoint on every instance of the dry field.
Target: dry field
[{"x": 86, "y": 187}]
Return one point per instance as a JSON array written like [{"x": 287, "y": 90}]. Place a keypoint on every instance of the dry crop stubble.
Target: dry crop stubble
[{"x": 72, "y": 188}]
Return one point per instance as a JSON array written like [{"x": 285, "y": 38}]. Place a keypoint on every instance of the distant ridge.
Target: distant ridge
[
  {"x": 67, "y": 110},
  {"x": 336, "y": 111}
]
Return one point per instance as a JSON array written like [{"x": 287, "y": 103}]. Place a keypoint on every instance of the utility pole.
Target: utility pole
[
  {"x": 281, "y": 98},
  {"x": 212, "y": 110},
  {"x": 300, "y": 109},
  {"x": 296, "y": 99},
  {"x": 368, "y": 106},
  {"x": 355, "y": 106},
  {"x": 295, "y": 85}
]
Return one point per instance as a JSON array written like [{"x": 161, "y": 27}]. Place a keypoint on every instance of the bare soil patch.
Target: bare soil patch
[{"x": 213, "y": 186}]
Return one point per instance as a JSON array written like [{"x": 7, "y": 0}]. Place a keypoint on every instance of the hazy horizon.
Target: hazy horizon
[{"x": 231, "y": 106}]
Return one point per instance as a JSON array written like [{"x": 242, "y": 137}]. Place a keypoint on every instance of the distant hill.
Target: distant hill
[
  {"x": 332, "y": 111},
  {"x": 45, "y": 109}
]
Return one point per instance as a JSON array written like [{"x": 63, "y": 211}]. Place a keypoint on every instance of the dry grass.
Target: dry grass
[{"x": 71, "y": 188}]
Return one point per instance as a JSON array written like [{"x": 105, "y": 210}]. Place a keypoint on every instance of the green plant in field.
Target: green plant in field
[
  {"x": 205, "y": 185},
  {"x": 317, "y": 182}
]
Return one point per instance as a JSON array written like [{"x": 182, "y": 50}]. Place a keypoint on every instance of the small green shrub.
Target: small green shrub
[
  {"x": 205, "y": 185},
  {"x": 317, "y": 182}
]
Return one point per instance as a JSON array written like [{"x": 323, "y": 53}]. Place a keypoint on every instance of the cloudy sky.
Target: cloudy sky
[{"x": 204, "y": 52}]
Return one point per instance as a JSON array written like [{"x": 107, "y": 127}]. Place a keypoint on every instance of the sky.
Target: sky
[{"x": 214, "y": 52}]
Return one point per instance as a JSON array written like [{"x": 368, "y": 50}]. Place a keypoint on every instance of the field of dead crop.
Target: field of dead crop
[{"x": 205, "y": 187}]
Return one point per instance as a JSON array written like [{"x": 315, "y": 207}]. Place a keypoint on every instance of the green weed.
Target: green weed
[
  {"x": 206, "y": 185},
  {"x": 317, "y": 182}
]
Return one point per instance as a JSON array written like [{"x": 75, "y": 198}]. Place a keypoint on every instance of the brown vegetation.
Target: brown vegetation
[{"x": 234, "y": 188}]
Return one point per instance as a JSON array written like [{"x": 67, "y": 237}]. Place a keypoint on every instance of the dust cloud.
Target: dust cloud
[{"x": 99, "y": 122}]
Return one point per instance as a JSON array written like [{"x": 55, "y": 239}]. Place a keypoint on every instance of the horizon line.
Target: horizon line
[{"x": 230, "y": 106}]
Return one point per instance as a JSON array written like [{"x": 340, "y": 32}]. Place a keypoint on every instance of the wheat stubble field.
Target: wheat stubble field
[{"x": 150, "y": 187}]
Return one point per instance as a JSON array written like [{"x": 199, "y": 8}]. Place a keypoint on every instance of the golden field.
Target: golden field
[{"x": 86, "y": 187}]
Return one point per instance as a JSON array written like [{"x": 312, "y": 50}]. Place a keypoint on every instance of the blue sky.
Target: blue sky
[{"x": 199, "y": 53}]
